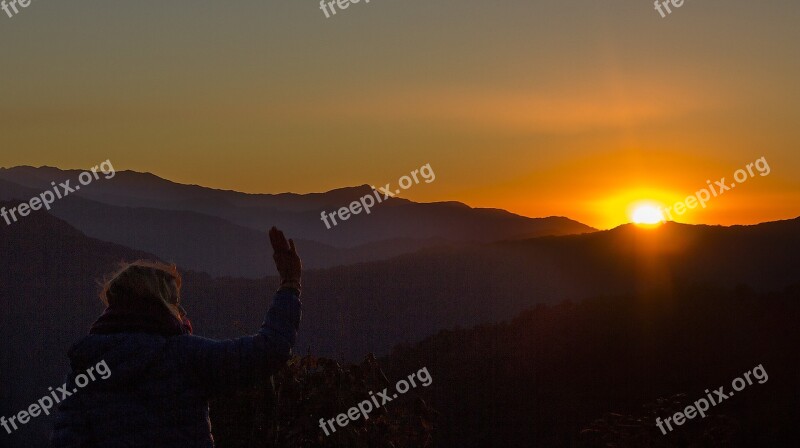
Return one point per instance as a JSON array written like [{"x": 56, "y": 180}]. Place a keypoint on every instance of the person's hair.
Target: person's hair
[{"x": 144, "y": 279}]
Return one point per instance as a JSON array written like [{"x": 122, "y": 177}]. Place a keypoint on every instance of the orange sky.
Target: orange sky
[{"x": 573, "y": 108}]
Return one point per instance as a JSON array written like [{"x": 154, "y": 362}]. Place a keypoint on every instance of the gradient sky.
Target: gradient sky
[{"x": 556, "y": 107}]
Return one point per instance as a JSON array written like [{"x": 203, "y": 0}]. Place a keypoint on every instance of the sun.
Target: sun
[{"x": 646, "y": 213}]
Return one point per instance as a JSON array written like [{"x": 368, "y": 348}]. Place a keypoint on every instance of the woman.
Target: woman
[{"x": 161, "y": 377}]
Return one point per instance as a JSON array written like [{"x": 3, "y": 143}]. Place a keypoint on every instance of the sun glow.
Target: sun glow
[{"x": 646, "y": 213}]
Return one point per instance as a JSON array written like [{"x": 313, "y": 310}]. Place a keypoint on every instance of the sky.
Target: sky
[{"x": 571, "y": 108}]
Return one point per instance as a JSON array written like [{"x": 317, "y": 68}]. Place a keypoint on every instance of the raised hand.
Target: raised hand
[{"x": 286, "y": 259}]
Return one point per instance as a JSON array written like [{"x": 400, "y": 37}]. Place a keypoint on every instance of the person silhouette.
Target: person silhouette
[{"x": 160, "y": 376}]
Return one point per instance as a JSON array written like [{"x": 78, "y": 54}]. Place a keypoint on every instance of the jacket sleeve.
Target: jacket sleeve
[{"x": 222, "y": 366}]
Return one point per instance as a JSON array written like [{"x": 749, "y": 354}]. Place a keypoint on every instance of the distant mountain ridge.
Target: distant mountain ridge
[{"x": 145, "y": 212}]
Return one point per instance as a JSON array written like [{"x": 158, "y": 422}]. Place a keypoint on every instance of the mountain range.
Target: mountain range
[
  {"x": 488, "y": 270},
  {"x": 222, "y": 232}
]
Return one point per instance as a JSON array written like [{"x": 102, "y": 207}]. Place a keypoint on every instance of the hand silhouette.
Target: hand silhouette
[{"x": 286, "y": 259}]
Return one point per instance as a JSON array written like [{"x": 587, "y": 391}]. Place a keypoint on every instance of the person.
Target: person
[{"x": 159, "y": 376}]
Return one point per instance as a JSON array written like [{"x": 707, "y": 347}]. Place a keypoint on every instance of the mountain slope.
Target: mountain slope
[
  {"x": 546, "y": 375},
  {"x": 351, "y": 310},
  {"x": 201, "y": 242},
  {"x": 393, "y": 219},
  {"x": 48, "y": 275}
]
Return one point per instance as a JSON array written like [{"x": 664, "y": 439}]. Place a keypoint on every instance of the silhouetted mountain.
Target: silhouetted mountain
[
  {"x": 352, "y": 310},
  {"x": 598, "y": 373},
  {"x": 412, "y": 296},
  {"x": 227, "y": 249},
  {"x": 393, "y": 219},
  {"x": 48, "y": 273}
]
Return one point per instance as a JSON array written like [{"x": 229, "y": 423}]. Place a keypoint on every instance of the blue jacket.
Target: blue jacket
[{"x": 157, "y": 392}]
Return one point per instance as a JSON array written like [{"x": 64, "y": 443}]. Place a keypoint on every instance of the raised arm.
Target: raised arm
[{"x": 237, "y": 363}]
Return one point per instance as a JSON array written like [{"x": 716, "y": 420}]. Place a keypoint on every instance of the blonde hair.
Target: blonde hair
[{"x": 144, "y": 279}]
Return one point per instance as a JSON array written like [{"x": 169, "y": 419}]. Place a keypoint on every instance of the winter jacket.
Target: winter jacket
[{"x": 157, "y": 388}]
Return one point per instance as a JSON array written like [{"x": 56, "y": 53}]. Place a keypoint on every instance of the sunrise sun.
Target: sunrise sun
[{"x": 646, "y": 213}]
